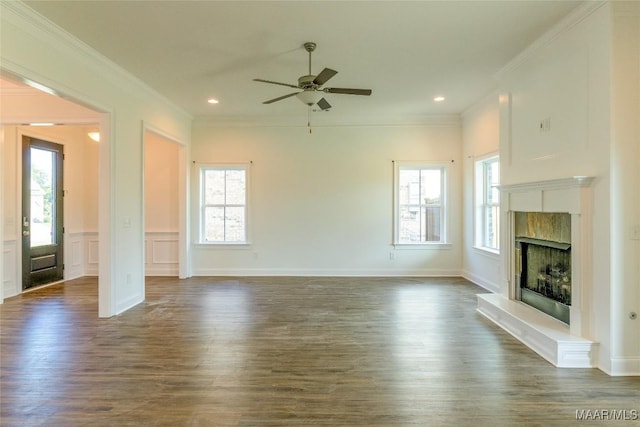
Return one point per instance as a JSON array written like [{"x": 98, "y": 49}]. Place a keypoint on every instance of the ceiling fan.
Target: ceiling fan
[{"x": 312, "y": 90}]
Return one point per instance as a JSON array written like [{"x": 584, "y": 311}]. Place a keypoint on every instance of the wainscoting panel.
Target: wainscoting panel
[
  {"x": 161, "y": 253},
  {"x": 91, "y": 254},
  {"x": 73, "y": 257}
]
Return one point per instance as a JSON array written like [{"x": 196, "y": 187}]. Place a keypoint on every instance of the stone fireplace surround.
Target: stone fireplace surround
[{"x": 561, "y": 344}]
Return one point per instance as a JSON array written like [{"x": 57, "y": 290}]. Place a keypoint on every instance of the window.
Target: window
[
  {"x": 487, "y": 221},
  {"x": 419, "y": 204},
  {"x": 223, "y": 204}
]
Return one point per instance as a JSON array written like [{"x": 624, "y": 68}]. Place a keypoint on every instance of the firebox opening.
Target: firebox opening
[{"x": 543, "y": 270}]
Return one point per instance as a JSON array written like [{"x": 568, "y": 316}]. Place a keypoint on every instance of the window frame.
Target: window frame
[
  {"x": 201, "y": 170},
  {"x": 444, "y": 204},
  {"x": 481, "y": 192}
]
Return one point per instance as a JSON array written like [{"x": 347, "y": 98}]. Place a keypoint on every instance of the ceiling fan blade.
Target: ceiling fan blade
[
  {"x": 323, "y": 104},
  {"x": 347, "y": 91},
  {"x": 324, "y": 76},
  {"x": 280, "y": 98},
  {"x": 276, "y": 83}
]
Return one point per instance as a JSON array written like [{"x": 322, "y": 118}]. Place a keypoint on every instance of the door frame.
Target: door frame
[{"x": 27, "y": 142}]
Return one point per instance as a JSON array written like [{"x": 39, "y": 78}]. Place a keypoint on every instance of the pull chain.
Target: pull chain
[{"x": 309, "y": 119}]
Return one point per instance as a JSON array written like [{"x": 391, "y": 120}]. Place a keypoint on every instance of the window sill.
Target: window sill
[
  {"x": 494, "y": 253},
  {"x": 422, "y": 246},
  {"x": 244, "y": 245}
]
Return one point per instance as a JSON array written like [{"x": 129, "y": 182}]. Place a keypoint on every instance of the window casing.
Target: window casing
[
  {"x": 487, "y": 195},
  {"x": 224, "y": 191},
  {"x": 420, "y": 204}
]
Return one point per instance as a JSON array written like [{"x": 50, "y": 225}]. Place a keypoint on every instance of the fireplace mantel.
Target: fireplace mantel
[{"x": 562, "y": 345}]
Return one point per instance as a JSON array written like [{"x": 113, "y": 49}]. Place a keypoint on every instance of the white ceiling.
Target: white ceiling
[{"x": 406, "y": 52}]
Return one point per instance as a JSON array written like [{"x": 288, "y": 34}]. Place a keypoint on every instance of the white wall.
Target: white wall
[
  {"x": 161, "y": 205},
  {"x": 34, "y": 49},
  {"x": 625, "y": 179},
  {"x": 582, "y": 78},
  {"x": 322, "y": 204},
  {"x": 480, "y": 137}
]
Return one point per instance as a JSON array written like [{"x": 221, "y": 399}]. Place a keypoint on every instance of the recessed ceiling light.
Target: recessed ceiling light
[
  {"x": 438, "y": 98},
  {"x": 212, "y": 101}
]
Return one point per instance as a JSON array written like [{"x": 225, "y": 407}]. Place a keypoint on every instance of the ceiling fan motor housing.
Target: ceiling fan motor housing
[{"x": 306, "y": 82}]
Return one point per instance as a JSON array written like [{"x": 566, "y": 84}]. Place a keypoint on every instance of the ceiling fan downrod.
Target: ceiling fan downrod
[{"x": 309, "y": 47}]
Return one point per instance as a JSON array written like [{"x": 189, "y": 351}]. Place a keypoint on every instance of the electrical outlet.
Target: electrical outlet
[{"x": 545, "y": 125}]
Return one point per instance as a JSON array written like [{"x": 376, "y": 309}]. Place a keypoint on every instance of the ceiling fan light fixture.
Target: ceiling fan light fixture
[{"x": 309, "y": 97}]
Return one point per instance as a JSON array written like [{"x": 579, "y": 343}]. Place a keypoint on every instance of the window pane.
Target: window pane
[
  {"x": 214, "y": 224},
  {"x": 492, "y": 221},
  {"x": 431, "y": 186},
  {"x": 409, "y": 227},
  {"x": 419, "y": 207},
  {"x": 236, "y": 187},
  {"x": 214, "y": 187},
  {"x": 432, "y": 224},
  {"x": 409, "y": 186},
  {"x": 234, "y": 224},
  {"x": 42, "y": 197}
]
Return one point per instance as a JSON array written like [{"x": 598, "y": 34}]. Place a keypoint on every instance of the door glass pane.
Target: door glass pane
[{"x": 42, "y": 222}]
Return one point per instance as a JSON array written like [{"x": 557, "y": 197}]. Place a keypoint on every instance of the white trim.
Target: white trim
[
  {"x": 274, "y": 272},
  {"x": 422, "y": 246},
  {"x": 481, "y": 281},
  {"x": 43, "y": 29},
  {"x": 444, "y": 203},
  {"x": 479, "y": 202},
  {"x": 246, "y": 167}
]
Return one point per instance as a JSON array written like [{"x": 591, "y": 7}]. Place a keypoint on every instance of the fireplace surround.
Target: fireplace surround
[{"x": 552, "y": 219}]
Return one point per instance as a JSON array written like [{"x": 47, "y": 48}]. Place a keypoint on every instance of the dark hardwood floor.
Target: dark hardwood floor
[{"x": 285, "y": 351}]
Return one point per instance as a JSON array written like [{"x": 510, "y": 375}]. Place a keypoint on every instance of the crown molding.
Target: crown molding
[
  {"x": 444, "y": 120},
  {"x": 44, "y": 30},
  {"x": 578, "y": 15}
]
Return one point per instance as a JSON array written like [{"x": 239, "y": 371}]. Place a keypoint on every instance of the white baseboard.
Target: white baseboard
[
  {"x": 480, "y": 281},
  {"x": 324, "y": 272}
]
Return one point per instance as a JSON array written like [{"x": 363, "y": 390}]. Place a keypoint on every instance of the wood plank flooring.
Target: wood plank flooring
[{"x": 284, "y": 352}]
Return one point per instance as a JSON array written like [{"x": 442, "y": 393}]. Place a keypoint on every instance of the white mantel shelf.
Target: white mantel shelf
[
  {"x": 553, "y": 184},
  {"x": 545, "y": 335}
]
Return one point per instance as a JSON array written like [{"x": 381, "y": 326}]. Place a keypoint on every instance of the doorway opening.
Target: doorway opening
[{"x": 42, "y": 212}]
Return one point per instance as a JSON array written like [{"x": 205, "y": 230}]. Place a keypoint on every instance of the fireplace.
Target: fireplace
[
  {"x": 543, "y": 262},
  {"x": 545, "y": 295}
]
